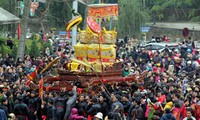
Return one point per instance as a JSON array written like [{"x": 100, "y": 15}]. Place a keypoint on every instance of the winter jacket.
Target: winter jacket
[
  {"x": 168, "y": 116},
  {"x": 75, "y": 116}
]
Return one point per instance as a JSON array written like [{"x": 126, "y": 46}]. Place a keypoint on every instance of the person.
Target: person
[
  {"x": 33, "y": 106},
  {"x": 126, "y": 39},
  {"x": 189, "y": 115},
  {"x": 51, "y": 111},
  {"x": 93, "y": 107},
  {"x": 2, "y": 115},
  {"x": 70, "y": 102},
  {"x": 3, "y": 106},
  {"x": 75, "y": 115},
  {"x": 20, "y": 109},
  {"x": 168, "y": 115},
  {"x": 60, "y": 106},
  {"x": 137, "y": 112},
  {"x": 98, "y": 116}
]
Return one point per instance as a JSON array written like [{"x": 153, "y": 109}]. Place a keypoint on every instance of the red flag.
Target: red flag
[
  {"x": 41, "y": 83},
  {"x": 19, "y": 30},
  {"x": 32, "y": 76}
]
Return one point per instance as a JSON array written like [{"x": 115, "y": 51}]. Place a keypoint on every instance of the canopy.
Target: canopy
[
  {"x": 7, "y": 17},
  {"x": 103, "y": 11}
]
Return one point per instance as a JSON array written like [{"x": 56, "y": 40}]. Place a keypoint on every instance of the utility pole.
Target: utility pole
[{"x": 74, "y": 30}]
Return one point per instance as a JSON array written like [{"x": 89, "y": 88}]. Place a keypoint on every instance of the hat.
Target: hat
[
  {"x": 189, "y": 62},
  {"x": 99, "y": 115},
  {"x": 144, "y": 91}
]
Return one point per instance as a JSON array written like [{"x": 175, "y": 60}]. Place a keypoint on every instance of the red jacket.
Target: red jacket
[{"x": 183, "y": 112}]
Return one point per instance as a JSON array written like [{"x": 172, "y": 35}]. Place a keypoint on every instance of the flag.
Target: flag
[
  {"x": 19, "y": 30},
  {"x": 32, "y": 76},
  {"x": 41, "y": 83}
]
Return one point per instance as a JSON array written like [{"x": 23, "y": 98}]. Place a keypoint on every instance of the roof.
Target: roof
[{"x": 7, "y": 17}]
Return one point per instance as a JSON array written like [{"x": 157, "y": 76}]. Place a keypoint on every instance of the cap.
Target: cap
[{"x": 99, "y": 115}]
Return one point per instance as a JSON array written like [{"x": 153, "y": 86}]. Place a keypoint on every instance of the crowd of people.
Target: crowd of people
[{"x": 169, "y": 91}]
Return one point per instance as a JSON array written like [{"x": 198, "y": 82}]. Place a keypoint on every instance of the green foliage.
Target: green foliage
[
  {"x": 34, "y": 52},
  {"x": 182, "y": 8},
  {"x": 44, "y": 45},
  {"x": 131, "y": 17},
  {"x": 4, "y": 50},
  {"x": 14, "y": 51}
]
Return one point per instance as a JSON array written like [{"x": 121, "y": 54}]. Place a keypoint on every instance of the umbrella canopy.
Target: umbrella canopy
[{"x": 7, "y": 17}]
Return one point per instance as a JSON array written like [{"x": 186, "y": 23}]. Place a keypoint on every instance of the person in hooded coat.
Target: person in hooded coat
[{"x": 75, "y": 116}]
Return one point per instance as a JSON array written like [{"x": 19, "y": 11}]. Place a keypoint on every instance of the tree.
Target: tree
[
  {"x": 34, "y": 52},
  {"x": 189, "y": 8},
  {"x": 131, "y": 17},
  {"x": 24, "y": 24}
]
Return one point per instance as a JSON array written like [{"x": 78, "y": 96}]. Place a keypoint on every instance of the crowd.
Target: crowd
[{"x": 169, "y": 91}]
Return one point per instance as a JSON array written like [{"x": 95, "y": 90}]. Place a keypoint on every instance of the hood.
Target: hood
[{"x": 74, "y": 111}]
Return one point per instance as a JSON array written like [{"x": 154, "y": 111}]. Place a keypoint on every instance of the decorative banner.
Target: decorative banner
[
  {"x": 41, "y": 84},
  {"x": 33, "y": 7},
  {"x": 103, "y": 11},
  {"x": 19, "y": 30}
]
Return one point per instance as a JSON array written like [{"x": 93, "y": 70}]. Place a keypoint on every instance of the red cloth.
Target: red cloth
[
  {"x": 31, "y": 76},
  {"x": 197, "y": 111},
  {"x": 183, "y": 111},
  {"x": 161, "y": 99},
  {"x": 90, "y": 117},
  {"x": 19, "y": 30}
]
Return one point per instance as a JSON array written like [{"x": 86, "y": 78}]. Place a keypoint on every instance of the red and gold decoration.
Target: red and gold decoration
[
  {"x": 32, "y": 76},
  {"x": 72, "y": 23},
  {"x": 41, "y": 84},
  {"x": 103, "y": 12}
]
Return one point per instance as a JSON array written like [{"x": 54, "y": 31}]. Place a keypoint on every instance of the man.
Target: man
[
  {"x": 51, "y": 111},
  {"x": 3, "y": 106},
  {"x": 32, "y": 106},
  {"x": 70, "y": 103},
  {"x": 168, "y": 115},
  {"x": 21, "y": 109},
  {"x": 189, "y": 115},
  {"x": 137, "y": 112},
  {"x": 93, "y": 107},
  {"x": 60, "y": 106}
]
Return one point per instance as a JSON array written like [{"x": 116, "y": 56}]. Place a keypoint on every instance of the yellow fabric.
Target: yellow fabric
[
  {"x": 73, "y": 66},
  {"x": 168, "y": 105}
]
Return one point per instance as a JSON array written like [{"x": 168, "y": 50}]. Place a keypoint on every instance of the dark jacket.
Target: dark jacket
[
  {"x": 21, "y": 111},
  {"x": 51, "y": 113},
  {"x": 2, "y": 115},
  {"x": 5, "y": 108},
  {"x": 69, "y": 105},
  {"x": 137, "y": 113},
  {"x": 94, "y": 109},
  {"x": 168, "y": 116}
]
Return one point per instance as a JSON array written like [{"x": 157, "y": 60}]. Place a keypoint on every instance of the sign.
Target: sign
[
  {"x": 185, "y": 32},
  {"x": 144, "y": 29}
]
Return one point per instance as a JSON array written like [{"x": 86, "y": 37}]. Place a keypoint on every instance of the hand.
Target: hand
[
  {"x": 74, "y": 88},
  {"x": 35, "y": 113},
  {"x": 102, "y": 88}
]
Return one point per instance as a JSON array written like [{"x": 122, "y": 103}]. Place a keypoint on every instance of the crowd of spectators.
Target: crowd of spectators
[{"x": 169, "y": 91}]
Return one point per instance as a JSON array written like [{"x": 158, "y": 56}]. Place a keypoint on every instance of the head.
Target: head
[
  {"x": 4, "y": 101},
  {"x": 189, "y": 113}
]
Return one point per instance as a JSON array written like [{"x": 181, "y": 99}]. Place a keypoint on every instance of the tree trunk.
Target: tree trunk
[{"x": 24, "y": 24}]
